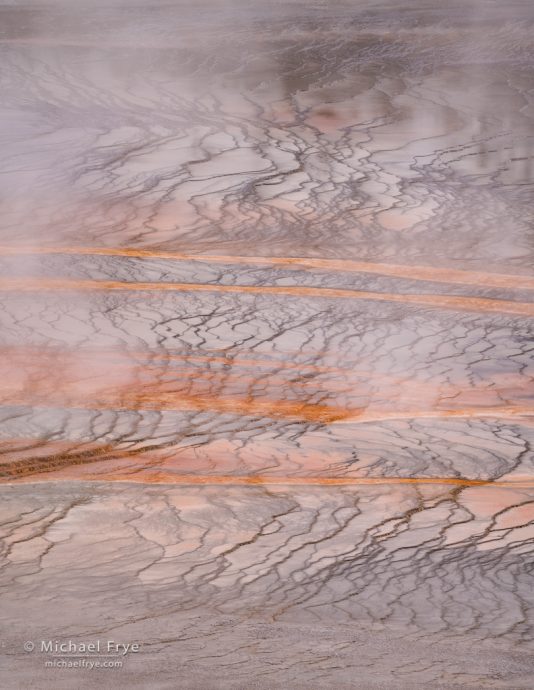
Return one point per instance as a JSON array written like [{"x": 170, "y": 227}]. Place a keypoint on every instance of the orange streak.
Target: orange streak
[
  {"x": 502, "y": 412},
  {"x": 320, "y": 414},
  {"x": 73, "y": 378},
  {"x": 299, "y": 411},
  {"x": 231, "y": 374},
  {"x": 428, "y": 273},
  {"x": 167, "y": 356},
  {"x": 478, "y": 304},
  {"x": 214, "y": 480}
]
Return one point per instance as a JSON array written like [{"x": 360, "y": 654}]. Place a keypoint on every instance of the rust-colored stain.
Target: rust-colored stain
[
  {"x": 326, "y": 481},
  {"x": 113, "y": 379},
  {"x": 476, "y": 304},
  {"x": 159, "y": 477},
  {"x": 425, "y": 273},
  {"x": 501, "y": 412},
  {"x": 276, "y": 409},
  {"x": 28, "y": 460}
]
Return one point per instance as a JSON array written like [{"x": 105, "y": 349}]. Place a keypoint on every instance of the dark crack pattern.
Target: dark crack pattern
[{"x": 266, "y": 309}]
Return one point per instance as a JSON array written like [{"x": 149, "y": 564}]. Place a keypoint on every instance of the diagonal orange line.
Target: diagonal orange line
[
  {"x": 427, "y": 273},
  {"x": 477, "y": 304},
  {"x": 162, "y": 477},
  {"x": 283, "y": 409}
]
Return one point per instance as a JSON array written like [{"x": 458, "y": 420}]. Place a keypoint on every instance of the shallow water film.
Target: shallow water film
[{"x": 266, "y": 309}]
